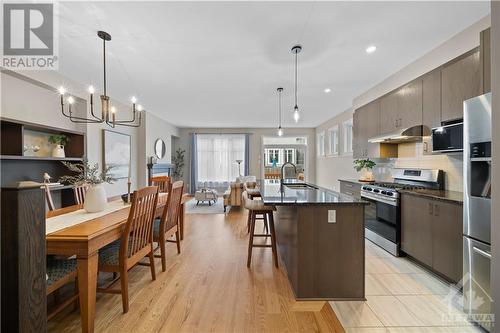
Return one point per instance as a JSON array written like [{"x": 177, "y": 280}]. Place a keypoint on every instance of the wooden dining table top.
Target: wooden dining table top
[{"x": 103, "y": 224}]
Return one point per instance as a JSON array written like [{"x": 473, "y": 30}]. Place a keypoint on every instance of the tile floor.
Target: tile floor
[{"x": 402, "y": 297}]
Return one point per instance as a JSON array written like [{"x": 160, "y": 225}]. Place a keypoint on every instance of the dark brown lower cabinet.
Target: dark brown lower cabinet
[{"x": 431, "y": 232}]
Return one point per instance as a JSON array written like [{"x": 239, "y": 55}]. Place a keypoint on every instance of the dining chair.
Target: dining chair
[
  {"x": 79, "y": 191},
  {"x": 164, "y": 183},
  {"x": 60, "y": 270},
  {"x": 136, "y": 242},
  {"x": 166, "y": 226},
  {"x": 48, "y": 198}
]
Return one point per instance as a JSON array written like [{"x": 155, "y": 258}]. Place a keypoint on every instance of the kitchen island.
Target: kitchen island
[{"x": 320, "y": 237}]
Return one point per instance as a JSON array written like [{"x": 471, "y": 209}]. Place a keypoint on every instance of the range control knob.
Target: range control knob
[
  {"x": 376, "y": 190},
  {"x": 390, "y": 194}
]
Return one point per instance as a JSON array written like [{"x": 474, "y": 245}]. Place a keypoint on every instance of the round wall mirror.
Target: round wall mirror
[{"x": 160, "y": 148}]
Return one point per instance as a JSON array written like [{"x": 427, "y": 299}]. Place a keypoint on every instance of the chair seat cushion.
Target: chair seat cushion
[
  {"x": 57, "y": 269},
  {"x": 110, "y": 254}
]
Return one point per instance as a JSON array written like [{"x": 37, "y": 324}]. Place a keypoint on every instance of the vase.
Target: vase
[
  {"x": 95, "y": 199},
  {"x": 58, "y": 151},
  {"x": 366, "y": 175}
]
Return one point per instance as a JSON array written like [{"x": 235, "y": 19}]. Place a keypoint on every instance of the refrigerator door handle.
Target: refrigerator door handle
[{"x": 481, "y": 252}]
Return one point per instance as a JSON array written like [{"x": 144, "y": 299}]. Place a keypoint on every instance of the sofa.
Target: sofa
[{"x": 232, "y": 196}]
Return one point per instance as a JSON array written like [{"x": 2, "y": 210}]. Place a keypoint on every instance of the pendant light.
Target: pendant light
[
  {"x": 296, "y": 50},
  {"x": 108, "y": 113},
  {"x": 280, "y": 130}
]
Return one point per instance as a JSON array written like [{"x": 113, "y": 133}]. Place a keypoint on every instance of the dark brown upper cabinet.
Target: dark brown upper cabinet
[
  {"x": 366, "y": 123},
  {"x": 460, "y": 80},
  {"x": 431, "y": 106},
  {"x": 401, "y": 108},
  {"x": 485, "y": 47}
]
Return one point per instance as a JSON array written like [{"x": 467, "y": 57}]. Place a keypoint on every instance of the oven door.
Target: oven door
[{"x": 382, "y": 217}]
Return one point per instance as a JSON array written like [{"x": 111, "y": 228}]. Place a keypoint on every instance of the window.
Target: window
[
  {"x": 280, "y": 155},
  {"x": 290, "y": 155},
  {"x": 272, "y": 155},
  {"x": 333, "y": 140},
  {"x": 217, "y": 155},
  {"x": 320, "y": 144},
  {"x": 347, "y": 128}
]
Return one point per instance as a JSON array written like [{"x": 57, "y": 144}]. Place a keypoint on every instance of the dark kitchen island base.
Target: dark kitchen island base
[{"x": 324, "y": 261}]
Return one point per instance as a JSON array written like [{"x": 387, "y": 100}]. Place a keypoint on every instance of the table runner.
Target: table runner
[{"x": 64, "y": 221}]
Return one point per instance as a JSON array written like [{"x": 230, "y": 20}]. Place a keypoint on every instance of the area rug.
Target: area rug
[{"x": 204, "y": 208}]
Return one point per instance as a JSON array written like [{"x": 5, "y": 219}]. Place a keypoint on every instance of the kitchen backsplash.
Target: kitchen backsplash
[{"x": 411, "y": 156}]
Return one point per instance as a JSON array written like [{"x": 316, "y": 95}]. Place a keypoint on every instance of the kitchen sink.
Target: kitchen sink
[{"x": 301, "y": 186}]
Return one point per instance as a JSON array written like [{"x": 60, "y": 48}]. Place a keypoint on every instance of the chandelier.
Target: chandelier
[{"x": 108, "y": 113}]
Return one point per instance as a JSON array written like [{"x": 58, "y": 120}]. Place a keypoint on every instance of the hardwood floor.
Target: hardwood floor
[{"x": 208, "y": 288}]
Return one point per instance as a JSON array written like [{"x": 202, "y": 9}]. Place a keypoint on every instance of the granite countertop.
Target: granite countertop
[
  {"x": 452, "y": 196},
  {"x": 270, "y": 190},
  {"x": 355, "y": 181}
]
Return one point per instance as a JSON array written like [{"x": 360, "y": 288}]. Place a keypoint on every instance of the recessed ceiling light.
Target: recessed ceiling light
[
  {"x": 371, "y": 49},
  {"x": 327, "y": 90}
]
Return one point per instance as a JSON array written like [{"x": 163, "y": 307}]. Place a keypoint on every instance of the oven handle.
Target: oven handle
[{"x": 389, "y": 201}]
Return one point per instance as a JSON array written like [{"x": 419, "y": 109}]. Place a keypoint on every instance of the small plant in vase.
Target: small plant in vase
[
  {"x": 87, "y": 174},
  {"x": 365, "y": 166},
  {"x": 59, "y": 141}
]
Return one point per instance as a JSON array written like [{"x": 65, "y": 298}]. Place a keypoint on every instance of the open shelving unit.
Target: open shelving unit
[{"x": 17, "y": 165}]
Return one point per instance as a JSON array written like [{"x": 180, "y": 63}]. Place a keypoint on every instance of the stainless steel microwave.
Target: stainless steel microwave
[{"x": 448, "y": 138}]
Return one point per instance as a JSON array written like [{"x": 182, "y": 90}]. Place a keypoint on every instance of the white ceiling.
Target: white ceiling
[{"x": 218, "y": 64}]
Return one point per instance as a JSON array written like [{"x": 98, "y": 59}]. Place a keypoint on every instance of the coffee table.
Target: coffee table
[{"x": 205, "y": 195}]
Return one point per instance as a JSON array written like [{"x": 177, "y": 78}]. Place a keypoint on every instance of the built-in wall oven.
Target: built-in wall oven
[{"x": 383, "y": 214}]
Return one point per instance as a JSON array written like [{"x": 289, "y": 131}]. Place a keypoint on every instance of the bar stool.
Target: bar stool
[{"x": 255, "y": 208}]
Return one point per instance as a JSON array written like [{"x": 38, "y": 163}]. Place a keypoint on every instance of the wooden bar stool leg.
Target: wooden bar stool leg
[
  {"x": 266, "y": 224},
  {"x": 250, "y": 239},
  {"x": 273, "y": 239},
  {"x": 248, "y": 220}
]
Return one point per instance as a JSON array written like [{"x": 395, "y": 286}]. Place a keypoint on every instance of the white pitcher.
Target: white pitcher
[{"x": 58, "y": 151}]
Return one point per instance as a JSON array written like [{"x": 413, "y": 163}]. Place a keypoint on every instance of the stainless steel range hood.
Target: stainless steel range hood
[{"x": 410, "y": 134}]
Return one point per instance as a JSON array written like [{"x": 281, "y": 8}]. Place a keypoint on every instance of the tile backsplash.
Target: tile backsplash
[{"x": 411, "y": 156}]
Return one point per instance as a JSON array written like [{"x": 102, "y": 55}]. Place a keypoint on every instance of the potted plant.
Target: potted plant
[
  {"x": 59, "y": 141},
  {"x": 95, "y": 198},
  {"x": 366, "y": 166}
]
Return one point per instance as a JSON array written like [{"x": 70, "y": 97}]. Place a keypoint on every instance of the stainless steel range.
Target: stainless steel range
[{"x": 383, "y": 215}]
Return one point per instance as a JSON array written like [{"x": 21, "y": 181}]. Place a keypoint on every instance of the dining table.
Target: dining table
[{"x": 86, "y": 238}]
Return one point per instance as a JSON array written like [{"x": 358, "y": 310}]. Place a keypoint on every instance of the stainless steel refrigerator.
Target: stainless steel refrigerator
[{"x": 477, "y": 209}]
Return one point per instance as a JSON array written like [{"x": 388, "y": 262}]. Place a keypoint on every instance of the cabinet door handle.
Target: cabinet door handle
[
  {"x": 426, "y": 147},
  {"x": 347, "y": 185},
  {"x": 348, "y": 193},
  {"x": 436, "y": 210},
  {"x": 430, "y": 208}
]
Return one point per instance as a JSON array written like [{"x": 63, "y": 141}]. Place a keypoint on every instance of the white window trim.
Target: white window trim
[
  {"x": 320, "y": 144},
  {"x": 348, "y": 146},
  {"x": 331, "y": 131}
]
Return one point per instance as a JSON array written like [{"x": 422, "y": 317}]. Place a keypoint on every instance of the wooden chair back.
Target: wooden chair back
[
  {"x": 164, "y": 183},
  {"x": 139, "y": 228},
  {"x": 48, "y": 198},
  {"x": 172, "y": 209},
  {"x": 79, "y": 192}
]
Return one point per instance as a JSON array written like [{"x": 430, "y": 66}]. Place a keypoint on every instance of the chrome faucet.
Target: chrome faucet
[{"x": 282, "y": 177}]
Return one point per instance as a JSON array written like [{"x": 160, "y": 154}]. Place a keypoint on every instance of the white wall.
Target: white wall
[
  {"x": 256, "y": 153},
  {"x": 330, "y": 168},
  {"x": 38, "y": 102},
  {"x": 495, "y": 214}
]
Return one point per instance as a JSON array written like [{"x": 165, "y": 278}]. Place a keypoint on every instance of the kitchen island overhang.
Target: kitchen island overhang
[{"x": 320, "y": 238}]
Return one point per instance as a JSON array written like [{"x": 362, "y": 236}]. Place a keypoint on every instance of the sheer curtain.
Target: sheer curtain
[{"x": 216, "y": 156}]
